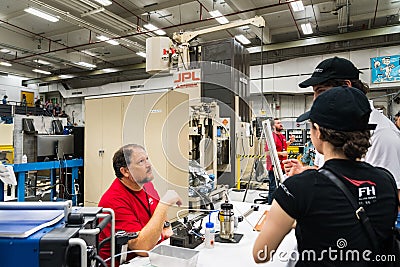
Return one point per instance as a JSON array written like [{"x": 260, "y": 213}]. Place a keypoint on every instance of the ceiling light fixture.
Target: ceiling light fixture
[
  {"x": 39, "y": 61},
  {"x": 142, "y": 54},
  {"x": 66, "y": 76},
  {"x": 86, "y": 65},
  {"x": 4, "y": 50},
  {"x": 41, "y": 71},
  {"x": 2, "y": 63},
  {"x": 41, "y": 14},
  {"x": 107, "y": 40},
  {"x": 306, "y": 28},
  {"x": 104, "y": 2},
  {"x": 241, "y": 38},
  {"x": 88, "y": 52},
  {"x": 155, "y": 29},
  {"x": 109, "y": 70},
  {"x": 218, "y": 17},
  {"x": 297, "y": 6}
]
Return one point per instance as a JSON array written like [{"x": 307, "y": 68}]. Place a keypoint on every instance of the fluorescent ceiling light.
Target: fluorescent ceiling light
[
  {"x": 102, "y": 38},
  {"x": 41, "y": 62},
  {"x": 112, "y": 42},
  {"x": 306, "y": 28},
  {"x": 41, "y": 71},
  {"x": 66, "y": 76},
  {"x": 150, "y": 27},
  {"x": 2, "y": 63},
  {"x": 104, "y": 2},
  {"x": 109, "y": 70},
  {"x": 88, "y": 52},
  {"x": 142, "y": 54},
  {"x": 4, "y": 50},
  {"x": 160, "y": 32},
  {"x": 107, "y": 40},
  {"x": 241, "y": 38},
  {"x": 156, "y": 30},
  {"x": 219, "y": 17},
  {"x": 85, "y": 64},
  {"x": 41, "y": 14},
  {"x": 297, "y": 6}
]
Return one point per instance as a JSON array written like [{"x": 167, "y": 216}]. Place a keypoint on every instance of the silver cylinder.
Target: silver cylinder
[{"x": 227, "y": 220}]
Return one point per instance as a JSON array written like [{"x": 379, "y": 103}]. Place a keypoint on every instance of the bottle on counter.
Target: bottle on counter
[
  {"x": 209, "y": 235},
  {"x": 24, "y": 159}
]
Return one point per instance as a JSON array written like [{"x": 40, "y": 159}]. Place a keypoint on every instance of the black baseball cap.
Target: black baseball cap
[
  {"x": 341, "y": 108},
  {"x": 332, "y": 68}
]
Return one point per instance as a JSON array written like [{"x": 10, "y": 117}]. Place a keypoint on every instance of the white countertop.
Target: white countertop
[{"x": 239, "y": 254}]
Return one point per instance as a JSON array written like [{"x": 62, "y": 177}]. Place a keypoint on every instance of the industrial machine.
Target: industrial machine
[
  {"x": 49, "y": 234},
  {"x": 209, "y": 137}
]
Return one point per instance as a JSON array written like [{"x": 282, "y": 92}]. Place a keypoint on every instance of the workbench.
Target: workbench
[
  {"x": 239, "y": 254},
  {"x": 21, "y": 169}
]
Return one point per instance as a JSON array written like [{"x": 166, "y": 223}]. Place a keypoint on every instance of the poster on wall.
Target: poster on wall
[{"x": 385, "y": 69}]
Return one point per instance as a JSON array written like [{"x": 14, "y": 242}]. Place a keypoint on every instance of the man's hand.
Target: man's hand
[
  {"x": 167, "y": 232},
  {"x": 283, "y": 154},
  {"x": 171, "y": 198},
  {"x": 292, "y": 167}
]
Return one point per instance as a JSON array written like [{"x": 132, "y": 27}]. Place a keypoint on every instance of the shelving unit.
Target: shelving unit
[{"x": 298, "y": 135}]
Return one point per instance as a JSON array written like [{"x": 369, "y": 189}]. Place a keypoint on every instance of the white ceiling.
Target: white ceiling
[{"x": 73, "y": 37}]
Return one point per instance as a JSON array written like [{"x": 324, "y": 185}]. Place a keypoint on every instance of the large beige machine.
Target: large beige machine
[{"x": 158, "y": 121}]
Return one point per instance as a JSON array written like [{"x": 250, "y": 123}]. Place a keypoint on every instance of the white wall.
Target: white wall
[
  {"x": 284, "y": 77},
  {"x": 281, "y": 80},
  {"x": 12, "y": 87}
]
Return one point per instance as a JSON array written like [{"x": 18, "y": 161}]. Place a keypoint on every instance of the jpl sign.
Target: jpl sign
[{"x": 187, "y": 78}]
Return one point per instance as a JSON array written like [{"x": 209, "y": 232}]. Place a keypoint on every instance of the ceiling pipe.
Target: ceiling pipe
[
  {"x": 376, "y": 10},
  {"x": 56, "y": 78},
  {"x": 50, "y": 40},
  {"x": 201, "y": 5},
  {"x": 294, "y": 20},
  {"x": 82, "y": 23},
  {"x": 169, "y": 27}
]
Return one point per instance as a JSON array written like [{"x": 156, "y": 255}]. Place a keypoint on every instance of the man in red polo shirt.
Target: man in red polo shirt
[{"x": 135, "y": 201}]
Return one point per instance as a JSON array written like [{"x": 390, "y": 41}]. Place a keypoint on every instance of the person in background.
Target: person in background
[
  {"x": 385, "y": 142},
  {"x": 49, "y": 107},
  {"x": 308, "y": 157},
  {"x": 281, "y": 147},
  {"x": 56, "y": 110},
  {"x": 397, "y": 120},
  {"x": 135, "y": 201},
  {"x": 38, "y": 103},
  {"x": 325, "y": 218},
  {"x": 23, "y": 102},
  {"x": 4, "y": 101},
  {"x": 63, "y": 114}
]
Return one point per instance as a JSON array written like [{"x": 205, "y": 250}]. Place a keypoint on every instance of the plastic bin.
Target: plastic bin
[{"x": 167, "y": 256}]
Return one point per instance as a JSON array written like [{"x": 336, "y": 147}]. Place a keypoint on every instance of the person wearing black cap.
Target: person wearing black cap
[
  {"x": 325, "y": 218},
  {"x": 385, "y": 142},
  {"x": 397, "y": 120},
  {"x": 4, "y": 101}
]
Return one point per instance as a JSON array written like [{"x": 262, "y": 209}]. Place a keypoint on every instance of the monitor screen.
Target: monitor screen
[{"x": 57, "y": 146}]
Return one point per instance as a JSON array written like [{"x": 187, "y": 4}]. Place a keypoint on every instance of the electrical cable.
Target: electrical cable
[
  {"x": 105, "y": 240},
  {"x": 100, "y": 261},
  {"x": 128, "y": 252},
  {"x": 182, "y": 210}
]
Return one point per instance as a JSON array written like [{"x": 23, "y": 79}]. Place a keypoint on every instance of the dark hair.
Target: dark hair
[
  {"x": 272, "y": 122},
  {"x": 353, "y": 144},
  {"x": 122, "y": 158},
  {"x": 354, "y": 83}
]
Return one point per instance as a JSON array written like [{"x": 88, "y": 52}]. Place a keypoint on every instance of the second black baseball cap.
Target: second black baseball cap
[{"x": 332, "y": 68}]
